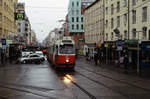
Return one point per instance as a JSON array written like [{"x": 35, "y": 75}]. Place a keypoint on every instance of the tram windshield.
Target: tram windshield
[{"x": 67, "y": 49}]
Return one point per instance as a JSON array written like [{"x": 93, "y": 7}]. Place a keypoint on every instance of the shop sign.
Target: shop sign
[
  {"x": 3, "y": 41},
  {"x": 81, "y": 40},
  {"x": 131, "y": 41},
  {"x": 20, "y": 15},
  {"x": 145, "y": 47}
]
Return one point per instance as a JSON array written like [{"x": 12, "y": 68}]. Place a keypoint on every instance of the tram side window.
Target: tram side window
[{"x": 57, "y": 50}]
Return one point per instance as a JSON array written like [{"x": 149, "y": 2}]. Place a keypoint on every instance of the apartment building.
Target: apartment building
[
  {"x": 133, "y": 22},
  {"x": 75, "y": 20},
  {"x": 94, "y": 23},
  {"x": 116, "y": 16},
  {"x": 8, "y": 26}
]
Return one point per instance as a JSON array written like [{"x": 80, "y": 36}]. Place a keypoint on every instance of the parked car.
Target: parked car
[
  {"x": 40, "y": 53},
  {"x": 26, "y": 53},
  {"x": 32, "y": 58}
]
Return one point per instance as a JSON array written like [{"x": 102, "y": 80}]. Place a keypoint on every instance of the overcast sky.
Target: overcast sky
[{"x": 44, "y": 15}]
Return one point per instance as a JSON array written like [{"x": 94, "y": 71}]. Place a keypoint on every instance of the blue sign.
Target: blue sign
[
  {"x": 145, "y": 47},
  {"x": 3, "y": 41},
  {"x": 119, "y": 43}
]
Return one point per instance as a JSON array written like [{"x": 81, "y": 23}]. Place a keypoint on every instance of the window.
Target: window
[
  {"x": 72, "y": 4},
  {"x": 112, "y": 23},
  {"x": 125, "y": 34},
  {"x": 26, "y": 24},
  {"x": 144, "y": 32},
  {"x": 0, "y": 30},
  {"x": 112, "y": 9},
  {"x": 72, "y": 19},
  {"x": 77, "y": 3},
  {"x": 0, "y": 16},
  {"x": 0, "y": 2},
  {"x": 106, "y": 10},
  {"x": 133, "y": 2},
  {"x": 106, "y": 23},
  {"x": 106, "y": 36},
  {"x": 125, "y": 19},
  {"x": 82, "y": 19},
  {"x": 19, "y": 30},
  {"x": 77, "y": 26},
  {"x": 77, "y": 11},
  {"x": 118, "y": 21},
  {"x": 133, "y": 16},
  {"x": 72, "y": 12},
  {"x": 82, "y": 27},
  {"x": 26, "y": 29},
  {"x": 77, "y": 19},
  {"x": 124, "y": 3},
  {"x": 118, "y": 6},
  {"x": 72, "y": 27},
  {"x": 19, "y": 24},
  {"x": 144, "y": 14},
  {"x": 112, "y": 36},
  {"x": 133, "y": 33}
]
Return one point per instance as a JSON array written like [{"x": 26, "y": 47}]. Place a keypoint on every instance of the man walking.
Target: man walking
[
  {"x": 2, "y": 57},
  {"x": 96, "y": 58},
  {"x": 126, "y": 61}
]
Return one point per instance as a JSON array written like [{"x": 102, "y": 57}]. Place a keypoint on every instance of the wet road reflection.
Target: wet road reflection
[{"x": 44, "y": 82}]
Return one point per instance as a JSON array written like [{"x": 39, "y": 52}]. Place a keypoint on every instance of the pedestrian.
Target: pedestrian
[
  {"x": 126, "y": 61},
  {"x": 87, "y": 54},
  {"x": 96, "y": 58},
  {"x": 2, "y": 57}
]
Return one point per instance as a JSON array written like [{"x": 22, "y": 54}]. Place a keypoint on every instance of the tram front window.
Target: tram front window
[{"x": 67, "y": 49}]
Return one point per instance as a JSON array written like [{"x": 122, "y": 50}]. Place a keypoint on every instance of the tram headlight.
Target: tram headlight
[{"x": 67, "y": 60}]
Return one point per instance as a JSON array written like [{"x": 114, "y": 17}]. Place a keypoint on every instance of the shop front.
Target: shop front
[
  {"x": 142, "y": 51},
  {"x": 145, "y": 54}
]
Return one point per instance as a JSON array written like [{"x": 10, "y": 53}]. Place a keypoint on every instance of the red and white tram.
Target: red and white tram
[{"x": 62, "y": 53}]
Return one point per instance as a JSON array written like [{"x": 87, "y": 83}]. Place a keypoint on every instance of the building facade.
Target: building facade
[
  {"x": 24, "y": 26},
  {"x": 138, "y": 23},
  {"x": 126, "y": 29},
  {"x": 75, "y": 20},
  {"x": 24, "y": 30},
  {"x": 94, "y": 23},
  {"x": 8, "y": 25}
]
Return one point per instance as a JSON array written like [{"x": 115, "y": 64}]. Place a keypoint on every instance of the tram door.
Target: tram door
[{"x": 55, "y": 56}]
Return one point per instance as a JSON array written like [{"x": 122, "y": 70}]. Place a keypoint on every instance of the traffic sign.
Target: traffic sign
[
  {"x": 3, "y": 41},
  {"x": 119, "y": 43}
]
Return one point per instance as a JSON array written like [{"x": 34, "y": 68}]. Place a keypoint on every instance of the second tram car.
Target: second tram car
[{"x": 62, "y": 53}]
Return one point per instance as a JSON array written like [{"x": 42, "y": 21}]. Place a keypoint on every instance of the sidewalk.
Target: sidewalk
[{"x": 113, "y": 67}]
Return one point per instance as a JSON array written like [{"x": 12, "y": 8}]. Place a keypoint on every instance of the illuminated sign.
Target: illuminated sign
[{"x": 19, "y": 16}]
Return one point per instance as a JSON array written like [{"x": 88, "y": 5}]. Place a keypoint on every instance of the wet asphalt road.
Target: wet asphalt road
[{"x": 41, "y": 81}]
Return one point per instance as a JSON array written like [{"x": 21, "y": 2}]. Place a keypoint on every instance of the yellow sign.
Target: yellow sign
[{"x": 19, "y": 16}]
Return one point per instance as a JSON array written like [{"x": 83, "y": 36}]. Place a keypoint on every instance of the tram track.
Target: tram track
[
  {"x": 37, "y": 91},
  {"x": 116, "y": 79},
  {"x": 81, "y": 88},
  {"x": 106, "y": 86}
]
